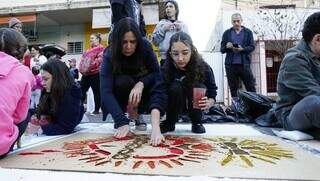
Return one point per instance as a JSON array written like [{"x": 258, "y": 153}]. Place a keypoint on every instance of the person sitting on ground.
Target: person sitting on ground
[
  {"x": 167, "y": 27},
  {"x": 298, "y": 84},
  {"x": 16, "y": 81},
  {"x": 183, "y": 71},
  {"x": 60, "y": 108},
  {"x": 128, "y": 73}
]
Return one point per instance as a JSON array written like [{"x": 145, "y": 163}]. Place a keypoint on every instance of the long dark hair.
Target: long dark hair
[
  {"x": 124, "y": 26},
  {"x": 195, "y": 69},
  {"x": 12, "y": 42},
  {"x": 61, "y": 82},
  {"x": 175, "y": 6}
]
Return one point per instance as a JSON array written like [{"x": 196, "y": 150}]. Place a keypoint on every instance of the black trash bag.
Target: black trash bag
[
  {"x": 253, "y": 105},
  {"x": 236, "y": 114},
  {"x": 217, "y": 109},
  {"x": 217, "y": 114},
  {"x": 217, "y": 119},
  {"x": 268, "y": 119}
]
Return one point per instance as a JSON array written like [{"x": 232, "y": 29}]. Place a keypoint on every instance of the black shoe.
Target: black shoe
[
  {"x": 140, "y": 124},
  {"x": 198, "y": 128},
  {"x": 166, "y": 127}
]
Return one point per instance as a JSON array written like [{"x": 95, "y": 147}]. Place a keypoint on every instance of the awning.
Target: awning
[{"x": 22, "y": 18}]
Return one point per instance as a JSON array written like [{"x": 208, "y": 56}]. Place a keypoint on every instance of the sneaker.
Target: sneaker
[
  {"x": 96, "y": 112},
  {"x": 198, "y": 128},
  {"x": 165, "y": 127},
  {"x": 141, "y": 125}
]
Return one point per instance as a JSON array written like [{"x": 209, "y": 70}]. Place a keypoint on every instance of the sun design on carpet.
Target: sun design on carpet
[
  {"x": 248, "y": 150},
  {"x": 176, "y": 151}
]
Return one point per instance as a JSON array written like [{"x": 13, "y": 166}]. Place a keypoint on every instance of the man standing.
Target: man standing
[
  {"x": 298, "y": 86},
  {"x": 238, "y": 43}
]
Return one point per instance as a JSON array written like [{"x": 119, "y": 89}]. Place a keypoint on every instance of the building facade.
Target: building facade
[
  {"x": 271, "y": 40},
  {"x": 67, "y": 23}
]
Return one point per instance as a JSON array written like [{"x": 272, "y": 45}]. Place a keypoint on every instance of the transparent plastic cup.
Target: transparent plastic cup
[
  {"x": 198, "y": 94},
  {"x": 132, "y": 112}
]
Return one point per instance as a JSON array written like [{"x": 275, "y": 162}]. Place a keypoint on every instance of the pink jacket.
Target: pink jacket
[
  {"x": 38, "y": 83},
  {"x": 91, "y": 61},
  {"x": 16, "y": 81}
]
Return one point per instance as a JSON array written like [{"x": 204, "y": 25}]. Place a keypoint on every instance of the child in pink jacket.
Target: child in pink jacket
[
  {"x": 37, "y": 88},
  {"x": 16, "y": 81}
]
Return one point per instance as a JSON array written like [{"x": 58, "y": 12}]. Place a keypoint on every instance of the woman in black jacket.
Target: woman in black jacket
[
  {"x": 60, "y": 109},
  {"x": 183, "y": 71},
  {"x": 128, "y": 76}
]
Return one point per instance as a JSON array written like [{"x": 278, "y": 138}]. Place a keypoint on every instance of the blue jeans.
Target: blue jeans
[{"x": 305, "y": 114}]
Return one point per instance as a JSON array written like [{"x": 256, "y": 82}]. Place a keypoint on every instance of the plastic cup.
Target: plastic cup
[
  {"x": 198, "y": 94},
  {"x": 132, "y": 112}
]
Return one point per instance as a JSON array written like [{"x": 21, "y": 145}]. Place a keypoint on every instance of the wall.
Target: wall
[
  {"x": 216, "y": 63},
  {"x": 12, "y": 3},
  {"x": 150, "y": 13},
  {"x": 61, "y": 35}
]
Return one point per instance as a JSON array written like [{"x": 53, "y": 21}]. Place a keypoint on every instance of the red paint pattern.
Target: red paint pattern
[
  {"x": 101, "y": 163},
  {"x": 50, "y": 151},
  {"x": 178, "y": 142},
  {"x": 151, "y": 164},
  {"x": 202, "y": 147},
  {"x": 125, "y": 138},
  {"x": 137, "y": 164},
  {"x": 103, "y": 152},
  {"x": 162, "y": 145},
  {"x": 117, "y": 163},
  {"x": 165, "y": 163},
  {"x": 176, "y": 162},
  {"x": 30, "y": 153},
  {"x": 155, "y": 157},
  {"x": 93, "y": 146},
  {"x": 176, "y": 151}
]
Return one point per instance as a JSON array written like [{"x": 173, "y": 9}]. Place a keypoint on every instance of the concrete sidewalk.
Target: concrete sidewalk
[{"x": 94, "y": 123}]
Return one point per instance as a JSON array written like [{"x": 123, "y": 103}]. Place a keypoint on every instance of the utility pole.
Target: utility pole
[{"x": 236, "y": 4}]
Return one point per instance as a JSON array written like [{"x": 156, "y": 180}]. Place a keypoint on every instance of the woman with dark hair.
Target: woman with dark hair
[
  {"x": 60, "y": 108},
  {"x": 185, "y": 70},
  {"x": 167, "y": 27},
  {"x": 89, "y": 68},
  {"x": 37, "y": 58},
  {"x": 128, "y": 73},
  {"x": 16, "y": 81}
]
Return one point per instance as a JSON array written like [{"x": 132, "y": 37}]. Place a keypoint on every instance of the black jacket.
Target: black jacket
[
  {"x": 68, "y": 115},
  {"x": 108, "y": 100},
  {"x": 248, "y": 45}
]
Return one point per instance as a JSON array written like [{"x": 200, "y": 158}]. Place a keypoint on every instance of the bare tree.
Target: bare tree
[{"x": 281, "y": 27}]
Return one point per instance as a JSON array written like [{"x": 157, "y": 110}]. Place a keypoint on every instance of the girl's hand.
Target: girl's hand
[
  {"x": 33, "y": 129},
  {"x": 136, "y": 93},
  {"x": 206, "y": 103},
  {"x": 156, "y": 137},
  {"x": 178, "y": 26},
  {"x": 122, "y": 131},
  {"x": 168, "y": 27}
]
